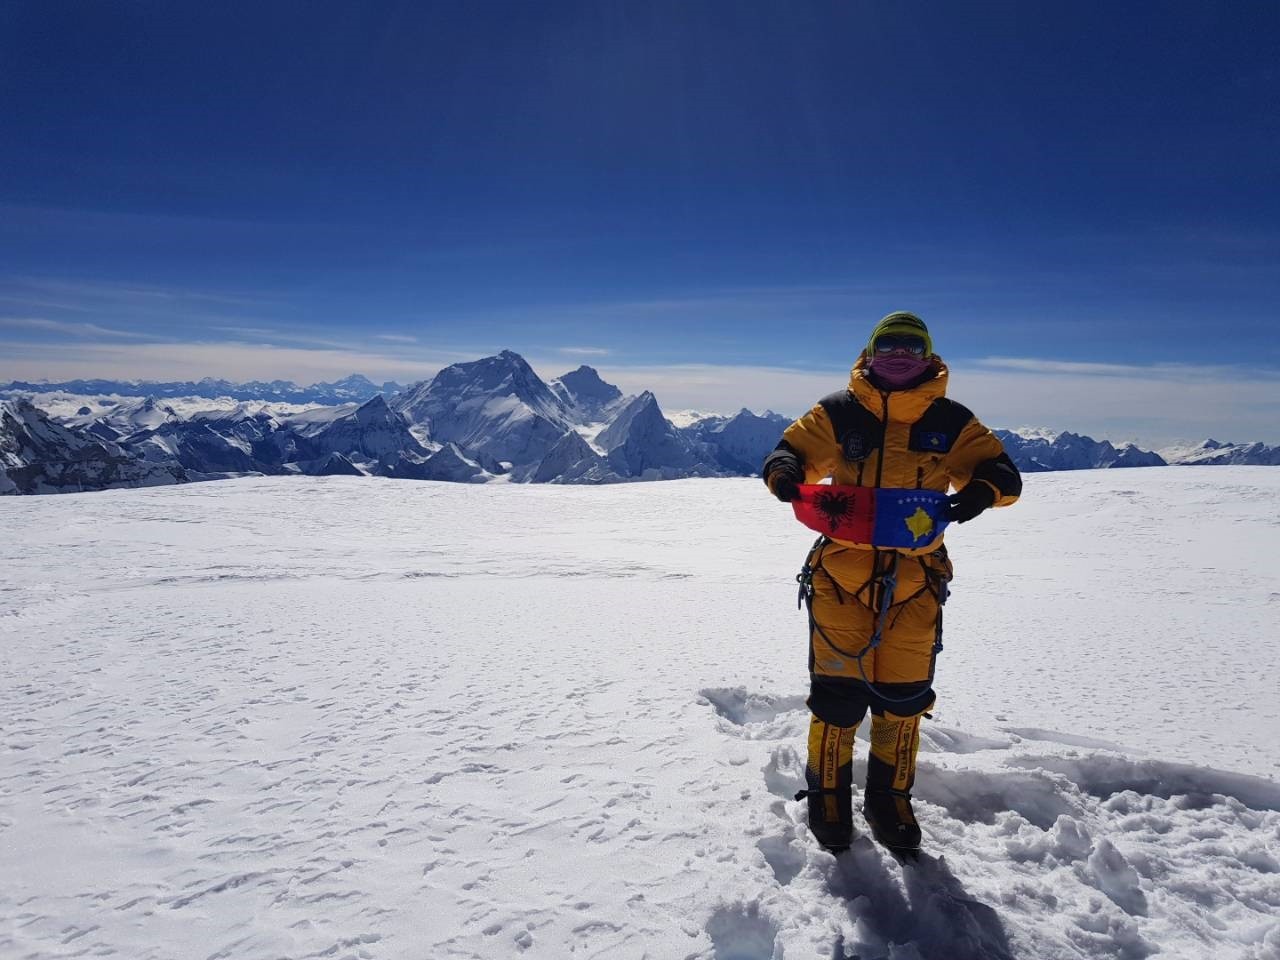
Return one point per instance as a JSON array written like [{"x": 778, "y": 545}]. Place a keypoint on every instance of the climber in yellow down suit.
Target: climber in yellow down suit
[{"x": 893, "y": 427}]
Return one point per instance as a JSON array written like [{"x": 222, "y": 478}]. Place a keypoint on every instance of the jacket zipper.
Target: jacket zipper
[
  {"x": 884, "y": 431},
  {"x": 877, "y": 582}
]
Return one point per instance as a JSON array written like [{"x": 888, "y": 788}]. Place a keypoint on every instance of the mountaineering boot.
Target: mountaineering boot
[
  {"x": 829, "y": 778},
  {"x": 891, "y": 772},
  {"x": 893, "y": 822}
]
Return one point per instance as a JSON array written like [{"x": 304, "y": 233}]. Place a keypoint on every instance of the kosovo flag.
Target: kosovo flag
[{"x": 879, "y": 517}]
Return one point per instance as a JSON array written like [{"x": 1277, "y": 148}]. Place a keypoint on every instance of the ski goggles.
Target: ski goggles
[{"x": 892, "y": 343}]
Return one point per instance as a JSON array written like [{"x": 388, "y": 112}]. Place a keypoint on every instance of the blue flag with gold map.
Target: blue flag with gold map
[{"x": 908, "y": 518}]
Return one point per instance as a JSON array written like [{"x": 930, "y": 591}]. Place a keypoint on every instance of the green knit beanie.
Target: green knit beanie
[{"x": 903, "y": 324}]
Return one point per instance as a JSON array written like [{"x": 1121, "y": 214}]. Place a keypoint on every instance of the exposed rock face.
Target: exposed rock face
[
  {"x": 448, "y": 463},
  {"x": 38, "y": 455},
  {"x": 268, "y": 441},
  {"x": 497, "y": 410},
  {"x": 373, "y": 431},
  {"x": 616, "y": 433},
  {"x": 335, "y": 465},
  {"x": 197, "y": 447},
  {"x": 573, "y": 461}
]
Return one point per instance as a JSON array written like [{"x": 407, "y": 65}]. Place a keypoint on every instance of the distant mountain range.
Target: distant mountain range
[
  {"x": 471, "y": 423},
  {"x": 1036, "y": 451},
  {"x": 352, "y": 388}
]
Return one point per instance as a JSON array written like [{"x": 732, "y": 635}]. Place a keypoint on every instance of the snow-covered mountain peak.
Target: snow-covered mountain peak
[
  {"x": 586, "y": 393},
  {"x": 683, "y": 419},
  {"x": 496, "y": 409},
  {"x": 355, "y": 381},
  {"x": 506, "y": 374},
  {"x": 374, "y": 409},
  {"x": 1037, "y": 433},
  {"x": 373, "y": 431}
]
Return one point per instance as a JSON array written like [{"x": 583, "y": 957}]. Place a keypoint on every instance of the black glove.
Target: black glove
[
  {"x": 785, "y": 486},
  {"x": 966, "y": 504}
]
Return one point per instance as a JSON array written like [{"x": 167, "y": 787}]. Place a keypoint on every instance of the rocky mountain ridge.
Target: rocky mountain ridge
[
  {"x": 1214, "y": 453},
  {"x": 473, "y": 422},
  {"x": 38, "y": 455},
  {"x": 1041, "y": 451}
]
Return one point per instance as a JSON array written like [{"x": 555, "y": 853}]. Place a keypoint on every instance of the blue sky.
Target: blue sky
[{"x": 714, "y": 199}]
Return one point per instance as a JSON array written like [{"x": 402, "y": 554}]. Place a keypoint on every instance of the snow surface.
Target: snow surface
[{"x": 293, "y": 717}]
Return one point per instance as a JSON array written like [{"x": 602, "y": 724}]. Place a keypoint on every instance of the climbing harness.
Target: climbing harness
[{"x": 888, "y": 583}]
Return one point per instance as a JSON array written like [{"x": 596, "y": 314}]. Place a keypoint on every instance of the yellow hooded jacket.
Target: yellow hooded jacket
[{"x": 916, "y": 438}]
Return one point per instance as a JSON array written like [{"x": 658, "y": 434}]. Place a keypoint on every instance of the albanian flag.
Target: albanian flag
[{"x": 880, "y": 517}]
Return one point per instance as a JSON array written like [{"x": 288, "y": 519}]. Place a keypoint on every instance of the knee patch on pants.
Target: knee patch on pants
[{"x": 844, "y": 702}]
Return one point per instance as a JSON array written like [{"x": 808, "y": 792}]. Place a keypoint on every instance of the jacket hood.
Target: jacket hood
[{"x": 904, "y": 405}]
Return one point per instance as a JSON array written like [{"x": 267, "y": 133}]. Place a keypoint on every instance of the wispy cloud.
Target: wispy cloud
[
  {"x": 396, "y": 337},
  {"x": 66, "y": 328},
  {"x": 1155, "y": 404},
  {"x": 82, "y": 293},
  {"x": 1155, "y": 371},
  {"x": 183, "y": 361},
  {"x": 270, "y": 337},
  {"x": 585, "y": 351}
]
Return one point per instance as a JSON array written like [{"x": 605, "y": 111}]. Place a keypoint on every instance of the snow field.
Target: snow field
[{"x": 339, "y": 717}]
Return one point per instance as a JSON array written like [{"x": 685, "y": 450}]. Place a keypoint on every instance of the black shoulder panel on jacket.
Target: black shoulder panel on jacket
[
  {"x": 1002, "y": 473},
  {"x": 939, "y": 428},
  {"x": 858, "y": 431}
]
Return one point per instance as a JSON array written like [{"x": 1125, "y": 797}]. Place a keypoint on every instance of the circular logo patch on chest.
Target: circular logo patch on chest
[{"x": 855, "y": 447}]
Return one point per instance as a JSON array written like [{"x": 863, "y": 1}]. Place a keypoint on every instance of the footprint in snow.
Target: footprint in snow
[
  {"x": 784, "y": 853},
  {"x": 1126, "y": 852},
  {"x": 741, "y": 932},
  {"x": 756, "y": 716}
]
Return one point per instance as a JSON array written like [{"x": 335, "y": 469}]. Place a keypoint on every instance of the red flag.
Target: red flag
[{"x": 843, "y": 512}]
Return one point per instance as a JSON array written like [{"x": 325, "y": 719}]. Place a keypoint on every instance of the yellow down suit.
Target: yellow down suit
[{"x": 865, "y": 436}]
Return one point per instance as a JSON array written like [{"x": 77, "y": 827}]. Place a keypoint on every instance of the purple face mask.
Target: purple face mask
[{"x": 898, "y": 370}]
